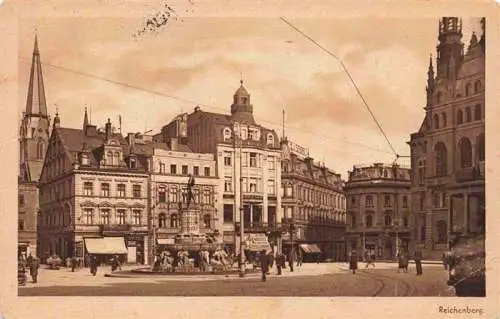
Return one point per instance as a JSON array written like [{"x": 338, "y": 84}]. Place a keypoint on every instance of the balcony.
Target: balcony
[
  {"x": 260, "y": 227},
  {"x": 469, "y": 174}
]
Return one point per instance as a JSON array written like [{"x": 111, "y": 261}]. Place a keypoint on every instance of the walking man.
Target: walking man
[
  {"x": 290, "y": 259},
  {"x": 369, "y": 261},
  {"x": 280, "y": 260},
  {"x": 264, "y": 264},
  {"x": 73, "y": 263},
  {"x": 34, "y": 269},
  {"x": 418, "y": 262},
  {"x": 353, "y": 262}
]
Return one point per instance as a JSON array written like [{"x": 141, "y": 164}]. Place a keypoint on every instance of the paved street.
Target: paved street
[{"x": 328, "y": 279}]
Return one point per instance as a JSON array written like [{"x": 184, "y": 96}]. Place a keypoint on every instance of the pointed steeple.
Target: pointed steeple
[
  {"x": 57, "y": 120},
  {"x": 430, "y": 81},
  {"x": 85, "y": 122},
  {"x": 36, "y": 102}
]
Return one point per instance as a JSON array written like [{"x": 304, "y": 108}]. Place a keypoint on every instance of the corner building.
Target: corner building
[
  {"x": 313, "y": 199},
  {"x": 93, "y": 196},
  {"x": 448, "y": 151},
  {"x": 378, "y": 210},
  {"x": 247, "y": 159}
]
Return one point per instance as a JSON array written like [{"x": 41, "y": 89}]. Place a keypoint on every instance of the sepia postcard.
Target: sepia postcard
[{"x": 248, "y": 159}]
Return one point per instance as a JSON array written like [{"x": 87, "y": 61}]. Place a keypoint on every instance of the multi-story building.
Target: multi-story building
[
  {"x": 378, "y": 210},
  {"x": 93, "y": 195},
  {"x": 247, "y": 159},
  {"x": 33, "y": 138},
  {"x": 313, "y": 198},
  {"x": 170, "y": 165},
  {"x": 448, "y": 151}
]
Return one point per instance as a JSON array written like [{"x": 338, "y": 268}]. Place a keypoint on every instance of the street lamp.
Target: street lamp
[{"x": 292, "y": 252}]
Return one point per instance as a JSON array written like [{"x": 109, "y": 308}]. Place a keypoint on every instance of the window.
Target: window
[
  {"x": 353, "y": 221},
  {"x": 162, "y": 195},
  {"x": 369, "y": 220},
  {"x": 421, "y": 171},
  {"x": 120, "y": 216},
  {"x": 405, "y": 221},
  {"x": 88, "y": 189},
  {"x": 105, "y": 216},
  {"x": 270, "y": 162},
  {"x": 227, "y": 134},
  {"x": 206, "y": 220},
  {"x": 460, "y": 117},
  {"x": 121, "y": 190},
  {"x": 207, "y": 171},
  {"x": 253, "y": 185},
  {"x": 270, "y": 139},
  {"x": 477, "y": 112},
  {"x": 443, "y": 116},
  {"x": 422, "y": 198},
  {"x": 184, "y": 169},
  {"x": 87, "y": 216},
  {"x": 136, "y": 191},
  {"x": 173, "y": 169},
  {"x": 174, "y": 221},
  {"x": 196, "y": 170},
  {"x": 468, "y": 115},
  {"x": 227, "y": 159},
  {"x": 436, "y": 121},
  {"x": 228, "y": 184},
  {"x": 253, "y": 159},
  {"x": 465, "y": 149},
  {"x": 353, "y": 200},
  {"x": 228, "y": 213},
  {"x": 387, "y": 201},
  {"x": 468, "y": 89},
  {"x": 288, "y": 190},
  {"x": 405, "y": 201},
  {"x": 21, "y": 200},
  {"x": 162, "y": 220},
  {"x": 441, "y": 159},
  {"x": 136, "y": 217},
  {"x": 480, "y": 147},
  {"x": 40, "y": 150},
  {"x": 369, "y": 201},
  {"x": 173, "y": 195},
  {"x": 162, "y": 168},
  {"x": 133, "y": 163},
  {"x": 243, "y": 133},
  {"x": 477, "y": 87},
  {"x": 387, "y": 220},
  {"x": 105, "y": 190},
  {"x": 207, "y": 198},
  {"x": 271, "y": 187}
]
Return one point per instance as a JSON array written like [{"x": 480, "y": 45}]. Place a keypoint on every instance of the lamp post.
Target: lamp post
[{"x": 292, "y": 252}]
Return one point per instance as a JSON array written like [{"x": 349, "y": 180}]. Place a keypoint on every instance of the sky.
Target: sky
[{"x": 200, "y": 61}]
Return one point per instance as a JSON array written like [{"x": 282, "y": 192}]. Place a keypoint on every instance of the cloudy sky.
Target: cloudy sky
[{"x": 199, "y": 61}]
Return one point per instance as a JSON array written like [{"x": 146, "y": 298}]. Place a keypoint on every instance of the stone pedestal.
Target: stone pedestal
[{"x": 190, "y": 221}]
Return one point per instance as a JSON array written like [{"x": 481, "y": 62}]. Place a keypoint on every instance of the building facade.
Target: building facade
[
  {"x": 379, "y": 210},
  {"x": 33, "y": 139},
  {"x": 170, "y": 166},
  {"x": 247, "y": 163},
  {"x": 313, "y": 198},
  {"x": 93, "y": 196},
  {"x": 448, "y": 151}
]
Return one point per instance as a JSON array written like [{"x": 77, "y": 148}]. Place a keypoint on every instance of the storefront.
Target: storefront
[{"x": 104, "y": 248}]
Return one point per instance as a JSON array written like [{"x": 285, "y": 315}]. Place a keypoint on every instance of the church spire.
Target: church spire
[
  {"x": 85, "y": 121},
  {"x": 36, "y": 103},
  {"x": 430, "y": 81}
]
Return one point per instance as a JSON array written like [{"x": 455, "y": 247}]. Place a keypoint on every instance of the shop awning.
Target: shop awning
[
  {"x": 310, "y": 248},
  {"x": 105, "y": 245},
  {"x": 257, "y": 242},
  {"x": 166, "y": 241}
]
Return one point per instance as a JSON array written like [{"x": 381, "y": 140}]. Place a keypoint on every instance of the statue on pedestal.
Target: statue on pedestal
[{"x": 190, "y": 194}]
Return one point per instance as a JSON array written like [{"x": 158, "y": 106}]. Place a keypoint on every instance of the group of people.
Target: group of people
[
  {"x": 31, "y": 263},
  {"x": 268, "y": 259},
  {"x": 403, "y": 261}
]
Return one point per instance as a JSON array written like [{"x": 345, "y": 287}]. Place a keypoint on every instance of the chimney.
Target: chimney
[{"x": 108, "y": 129}]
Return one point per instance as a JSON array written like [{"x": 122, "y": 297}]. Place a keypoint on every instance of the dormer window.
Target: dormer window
[
  {"x": 85, "y": 159},
  {"x": 227, "y": 134},
  {"x": 244, "y": 133},
  {"x": 244, "y": 100},
  {"x": 270, "y": 139},
  {"x": 133, "y": 163}
]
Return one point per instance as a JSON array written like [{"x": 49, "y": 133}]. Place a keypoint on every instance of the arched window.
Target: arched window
[
  {"x": 436, "y": 121},
  {"x": 441, "y": 230},
  {"x": 465, "y": 151},
  {"x": 441, "y": 159},
  {"x": 443, "y": 116},
  {"x": 174, "y": 221},
  {"x": 369, "y": 220},
  {"x": 477, "y": 112},
  {"x": 468, "y": 89},
  {"x": 40, "y": 150},
  {"x": 369, "y": 201},
  {"x": 116, "y": 160},
  {"x": 109, "y": 158},
  {"x": 388, "y": 220},
  {"x": 227, "y": 134},
  {"x": 439, "y": 97},
  {"x": 460, "y": 117},
  {"x": 207, "y": 220},
  {"x": 468, "y": 114},
  {"x": 162, "y": 220},
  {"x": 477, "y": 86},
  {"x": 270, "y": 139},
  {"x": 480, "y": 147}
]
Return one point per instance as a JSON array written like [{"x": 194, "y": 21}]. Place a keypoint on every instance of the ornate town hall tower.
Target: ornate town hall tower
[{"x": 448, "y": 151}]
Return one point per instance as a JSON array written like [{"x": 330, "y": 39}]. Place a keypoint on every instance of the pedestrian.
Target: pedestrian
[
  {"x": 290, "y": 259},
  {"x": 35, "y": 264},
  {"x": 446, "y": 260},
  {"x": 270, "y": 260},
  {"x": 353, "y": 262},
  {"x": 93, "y": 265},
  {"x": 264, "y": 264},
  {"x": 369, "y": 261},
  {"x": 418, "y": 262},
  {"x": 74, "y": 262},
  {"x": 114, "y": 263},
  {"x": 280, "y": 260},
  {"x": 299, "y": 258}
]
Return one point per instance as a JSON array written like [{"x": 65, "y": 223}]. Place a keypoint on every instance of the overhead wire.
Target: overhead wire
[
  {"x": 350, "y": 77},
  {"x": 170, "y": 96}
]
